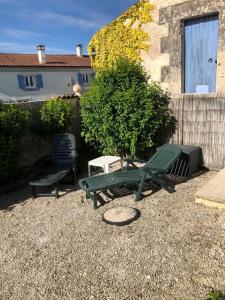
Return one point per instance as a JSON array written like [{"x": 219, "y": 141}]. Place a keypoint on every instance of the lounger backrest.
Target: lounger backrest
[
  {"x": 164, "y": 158},
  {"x": 64, "y": 149}
]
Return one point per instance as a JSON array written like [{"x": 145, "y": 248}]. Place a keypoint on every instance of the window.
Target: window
[
  {"x": 84, "y": 79},
  {"x": 30, "y": 82}
]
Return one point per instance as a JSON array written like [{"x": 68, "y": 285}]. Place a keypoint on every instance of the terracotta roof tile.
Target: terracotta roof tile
[{"x": 31, "y": 60}]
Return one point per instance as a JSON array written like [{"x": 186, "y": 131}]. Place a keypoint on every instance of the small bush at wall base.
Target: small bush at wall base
[
  {"x": 13, "y": 122},
  {"x": 216, "y": 295},
  {"x": 122, "y": 113},
  {"x": 56, "y": 116}
]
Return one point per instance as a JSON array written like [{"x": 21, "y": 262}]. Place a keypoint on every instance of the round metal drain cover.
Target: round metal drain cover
[{"x": 120, "y": 215}]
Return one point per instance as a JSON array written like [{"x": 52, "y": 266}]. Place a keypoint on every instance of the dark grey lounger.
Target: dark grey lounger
[{"x": 62, "y": 163}]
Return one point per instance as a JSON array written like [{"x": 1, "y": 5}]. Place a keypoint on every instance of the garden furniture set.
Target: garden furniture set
[
  {"x": 63, "y": 162},
  {"x": 153, "y": 171},
  {"x": 104, "y": 162}
]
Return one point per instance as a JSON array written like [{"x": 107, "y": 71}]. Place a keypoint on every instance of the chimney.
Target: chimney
[
  {"x": 79, "y": 50},
  {"x": 41, "y": 54}
]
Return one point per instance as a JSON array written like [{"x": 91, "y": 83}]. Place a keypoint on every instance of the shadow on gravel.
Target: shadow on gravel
[
  {"x": 123, "y": 192},
  {"x": 9, "y": 200},
  {"x": 149, "y": 188}
]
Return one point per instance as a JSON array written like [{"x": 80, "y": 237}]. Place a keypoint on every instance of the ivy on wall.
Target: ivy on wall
[{"x": 124, "y": 37}]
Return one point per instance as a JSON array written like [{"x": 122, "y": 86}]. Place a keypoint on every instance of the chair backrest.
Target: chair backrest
[
  {"x": 164, "y": 158},
  {"x": 64, "y": 149}
]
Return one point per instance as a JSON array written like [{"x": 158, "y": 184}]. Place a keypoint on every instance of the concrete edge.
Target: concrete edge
[{"x": 210, "y": 203}]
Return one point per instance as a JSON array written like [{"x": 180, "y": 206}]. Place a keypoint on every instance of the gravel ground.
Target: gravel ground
[{"x": 61, "y": 249}]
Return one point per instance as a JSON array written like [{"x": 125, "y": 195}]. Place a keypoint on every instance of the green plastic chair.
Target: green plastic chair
[
  {"x": 62, "y": 162},
  {"x": 153, "y": 171}
]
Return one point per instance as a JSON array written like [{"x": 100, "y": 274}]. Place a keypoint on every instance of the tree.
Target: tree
[{"x": 122, "y": 113}]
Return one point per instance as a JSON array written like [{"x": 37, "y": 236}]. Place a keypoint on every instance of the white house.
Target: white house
[{"x": 35, "y": 77}]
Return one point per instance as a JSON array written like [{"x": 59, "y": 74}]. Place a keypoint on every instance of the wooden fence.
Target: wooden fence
[{"x": 201, "y": 122}]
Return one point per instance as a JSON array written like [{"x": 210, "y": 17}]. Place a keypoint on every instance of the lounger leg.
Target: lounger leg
[
  {"x": 74, "y": 177},
  {"x": 138, "y": 196},
  {"x": 93, "y": 197},
  {"x": 56, "y": 190},
  {"x": 140, "y": 189},
  {"x": 95, "y": 201},
  {"x": 33, "y": 192},
  {"x": 167, "y": 187}
]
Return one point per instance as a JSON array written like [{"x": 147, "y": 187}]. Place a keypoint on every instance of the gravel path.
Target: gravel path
[{"x": 61, "y": 249}]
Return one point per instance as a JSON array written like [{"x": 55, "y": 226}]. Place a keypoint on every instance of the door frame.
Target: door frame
[{"x": 182, "y": 26}]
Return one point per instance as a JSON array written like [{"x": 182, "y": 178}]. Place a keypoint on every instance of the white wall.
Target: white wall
[{"x": 55, "y": 82}]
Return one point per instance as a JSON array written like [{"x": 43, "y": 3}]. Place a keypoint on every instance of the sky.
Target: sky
[{"x": 58, "y": 24}]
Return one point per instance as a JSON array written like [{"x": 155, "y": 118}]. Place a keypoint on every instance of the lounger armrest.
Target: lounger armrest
[
  {"x": 158, "y": 172},
  {"x": 82, "y": 184},
  {"x": 133, "y": 161}
]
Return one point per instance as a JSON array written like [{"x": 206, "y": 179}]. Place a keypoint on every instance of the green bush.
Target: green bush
[
  {"x": 13, "y": 122},
  {"x": 216, "y": 295},
  {"x": 122, "y": 113},
  {"x": 56, "y": 116}
]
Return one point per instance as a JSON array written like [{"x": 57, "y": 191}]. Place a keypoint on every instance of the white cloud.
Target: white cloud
[
  {"x": 18, "y": 33},
  {"x": 15, "y": 47},
  {"x": 66, "y": 20},
  {"x": 27, "y": 48},
  {"x": 87, "y": 22},
  {"x": 80, "y": 9},
  {"x": 53, "y": 50}
]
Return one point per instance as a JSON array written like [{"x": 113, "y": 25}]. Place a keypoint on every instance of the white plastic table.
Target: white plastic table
[{"x": 104, "y": 162}]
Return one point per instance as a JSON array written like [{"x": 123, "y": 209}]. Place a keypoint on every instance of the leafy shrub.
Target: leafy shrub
[
  {"x": 122, "y": 113},
  {"x": 216, "y": 295},
  {"x": 56, "y": 116},
  {"x": 13, "y": 121}
]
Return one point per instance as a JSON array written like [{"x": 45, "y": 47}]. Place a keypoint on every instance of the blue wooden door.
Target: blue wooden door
[{"x": 200, "y": 52}]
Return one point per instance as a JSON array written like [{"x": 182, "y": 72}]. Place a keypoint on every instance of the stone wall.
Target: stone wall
[
  {"x": 163, "y": 61},
  {"x": 34, "y": 146}
]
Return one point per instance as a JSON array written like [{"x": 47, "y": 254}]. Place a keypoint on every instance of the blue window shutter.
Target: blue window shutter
[
  {"x": 80, "y": 78},
  {"x": 21, "y": 83},
  {"x": 39, "y": 81}
]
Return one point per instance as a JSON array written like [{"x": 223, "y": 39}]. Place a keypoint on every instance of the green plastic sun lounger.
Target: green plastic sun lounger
[
  {"x": 62, "y": 163},
  {"x": 153, "y": 171}
]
